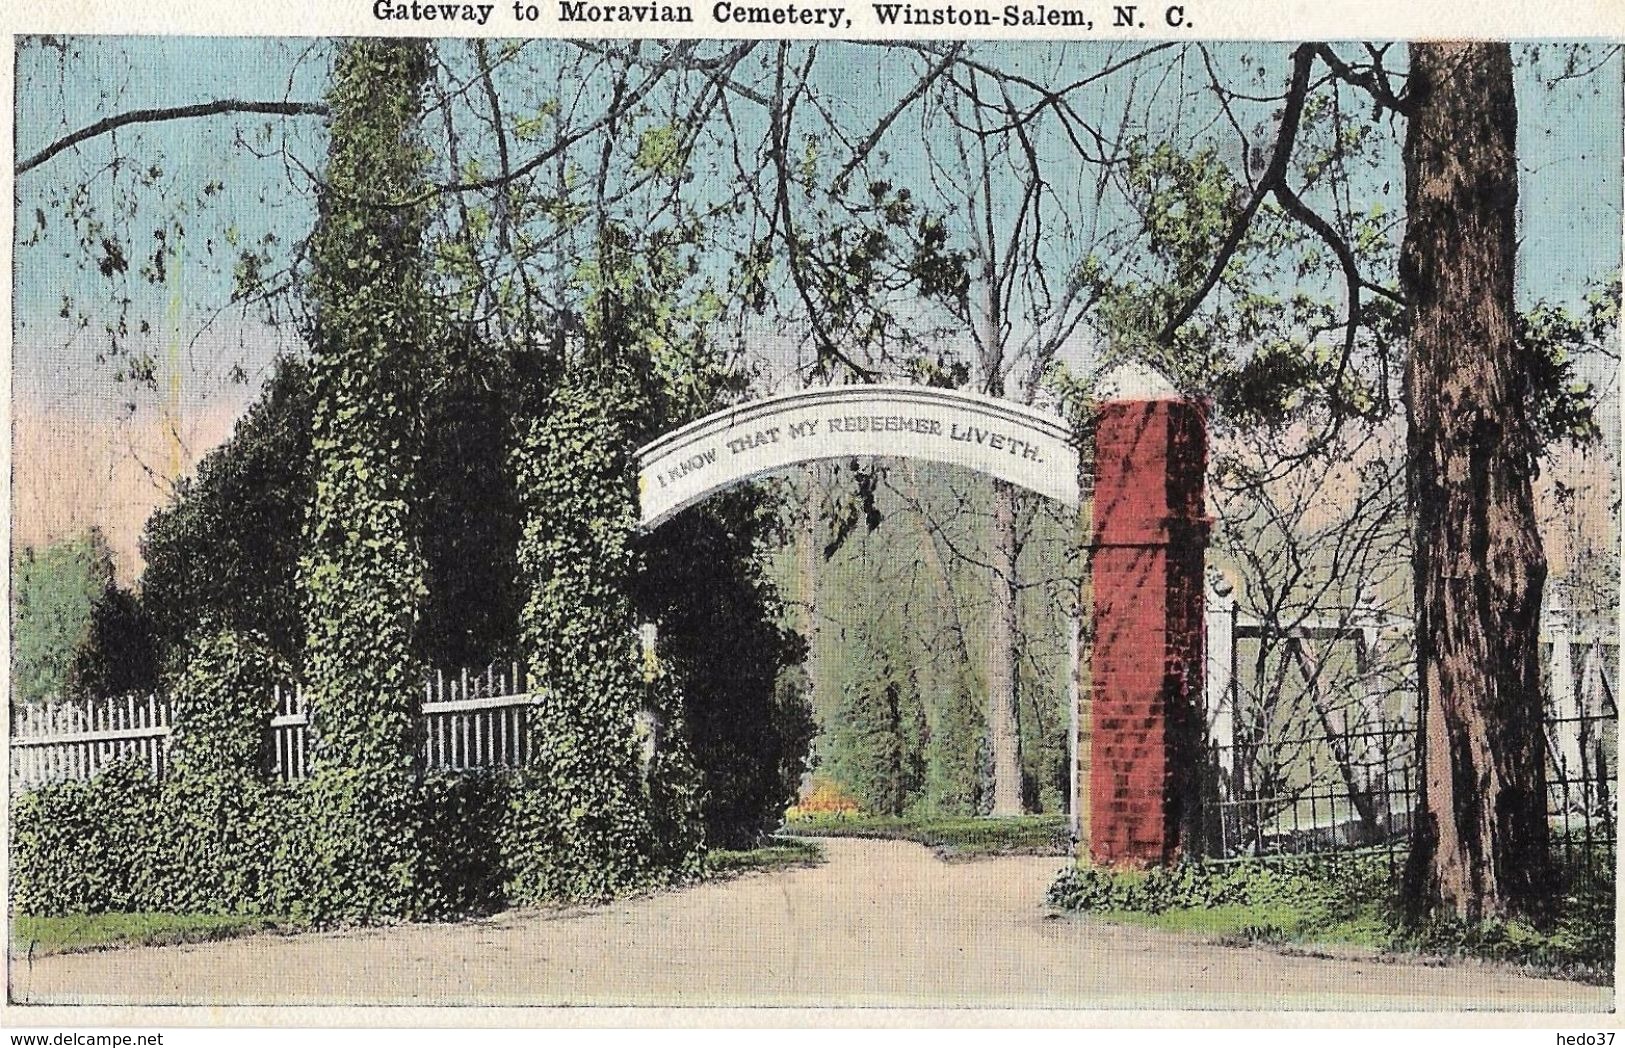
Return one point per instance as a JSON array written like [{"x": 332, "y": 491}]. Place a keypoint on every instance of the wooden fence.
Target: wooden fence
[
  {"x": 468, "y": 721},
  {"x": 60, "y": 741}
]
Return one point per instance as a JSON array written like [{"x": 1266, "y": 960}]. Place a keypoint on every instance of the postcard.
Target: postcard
[{"x": 1085, "y": 513}]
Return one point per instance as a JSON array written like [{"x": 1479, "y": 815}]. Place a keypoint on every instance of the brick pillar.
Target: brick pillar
[{"x": 1148, "y": 662}]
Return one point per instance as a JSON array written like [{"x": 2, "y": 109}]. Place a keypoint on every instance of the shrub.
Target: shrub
[
  {"x": 747, "y": 725},
  {"x": 1188, "y": 885},
  {"x": 220, "y": 816},
  {"x": 85, "y": 847},
  {"x": 463, "y": 868}
]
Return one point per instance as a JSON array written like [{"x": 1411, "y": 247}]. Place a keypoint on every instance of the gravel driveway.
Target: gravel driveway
[{"x": 880, "y": 923}]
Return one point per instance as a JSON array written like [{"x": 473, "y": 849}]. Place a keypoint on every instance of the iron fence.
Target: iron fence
[{"x": 1312, "y": 737}]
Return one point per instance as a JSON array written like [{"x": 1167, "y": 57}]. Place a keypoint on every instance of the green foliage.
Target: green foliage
[
  {"x": 1182, "y": 886},
  {"x": 1554, "y": 340},
  {"x": 118, "y": 654},
  {"x": 879, "y": 729},
  {"x": 720, "y": 641},
  {"x": 1579, "y": 942},
  {"x": 1262, "y": 353},
  {"x": 950, "y": 837},
  {"x": 222, "y": 703},
  {"x": 778, "y": 854},
  {"x": 467, "y": 508},
  {"x": 464, "y": 822},
  {"x": 85, "y": 847},
  {"x": 362, "y": 576},
  {"x": 1353, "y": 899},
  {"x": 217, "y": 843},
  {"x": 120, "y": 843},
  {"x": 905, "y": 602},
  {"x": 54, "y": 592},
  {"x": 955, "y": 734},
  {"x": 209, "y": 839},
  {"x": 579, "y": 830},
  {"x": 226, "y": 548},
  {"x": 674, "y": 790}
]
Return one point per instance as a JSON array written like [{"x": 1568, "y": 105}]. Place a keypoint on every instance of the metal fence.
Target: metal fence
[
  {"x": 1312, "y": 735},
  {"x": 468, "y": 721}
]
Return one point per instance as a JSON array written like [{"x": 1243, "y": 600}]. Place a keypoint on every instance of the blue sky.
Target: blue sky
[
  {"x": 1569, "y": 141},
  {"x": 1570, "y": 152}
]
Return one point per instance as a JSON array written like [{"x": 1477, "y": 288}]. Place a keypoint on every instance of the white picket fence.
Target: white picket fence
[
  {"x": 468, "y": 721},
  {"x": 60, "y": 741}
]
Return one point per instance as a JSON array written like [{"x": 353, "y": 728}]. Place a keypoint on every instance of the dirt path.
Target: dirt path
[{"x": 879, "y": 923}]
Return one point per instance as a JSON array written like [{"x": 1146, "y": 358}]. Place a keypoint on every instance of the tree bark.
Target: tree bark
[
  {"x": 822, "y": 695},
  {"x": 1003, "y": 724},
  {"x": 1480, "y": 844}
]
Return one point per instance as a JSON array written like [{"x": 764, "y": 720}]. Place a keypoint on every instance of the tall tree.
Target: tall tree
[
  {"x": 54, "y": 592},
  {"x": 1481, "y": 845},
  {"x": 363, "y": 571}
]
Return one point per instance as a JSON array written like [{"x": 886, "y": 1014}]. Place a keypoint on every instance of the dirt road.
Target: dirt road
[{"x": 879, "y": 923}]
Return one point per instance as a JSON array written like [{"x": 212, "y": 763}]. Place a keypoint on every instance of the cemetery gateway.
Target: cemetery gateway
[{"x": 1147, "y": 555}]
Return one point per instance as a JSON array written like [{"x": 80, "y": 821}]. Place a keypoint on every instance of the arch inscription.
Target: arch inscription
[{"x": 1010, "y": 441}]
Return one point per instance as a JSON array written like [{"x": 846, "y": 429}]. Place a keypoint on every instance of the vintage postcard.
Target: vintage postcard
[{"x": 1078, "y": 512}]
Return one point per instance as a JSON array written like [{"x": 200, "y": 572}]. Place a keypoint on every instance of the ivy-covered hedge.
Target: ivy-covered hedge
[
  {"x": 85, "y": 847},
  {"x": 463, "y": 843},
  {"x": 212, "y": 838},
  {"x": 216, "y": 842},
  {"x": 581, "y": 825},
  {"x": 221, "y": 835},
  {"x": 122, "y": 843},
  {"x": 363, "y": 574}
]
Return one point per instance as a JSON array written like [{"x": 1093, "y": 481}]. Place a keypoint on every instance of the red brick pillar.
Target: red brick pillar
[{"x": 1150, "y": 537}]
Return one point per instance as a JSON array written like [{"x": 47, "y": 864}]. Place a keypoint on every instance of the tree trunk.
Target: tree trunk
[
  {"x": 955, "y": 731},
  {"x": 807, "y": 566},
  {"x": 1003, "y": 726},
  {"x": 1480, "y": 844}
]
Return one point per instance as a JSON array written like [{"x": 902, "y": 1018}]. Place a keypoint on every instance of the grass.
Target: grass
[
  {"x": 84, "y": 932},
  {"x": 1348, "y": 902},
  {"x": 79, "y": 933},
  {"x": 782, "y": 853},
  {"x": 950, "y": 837}
]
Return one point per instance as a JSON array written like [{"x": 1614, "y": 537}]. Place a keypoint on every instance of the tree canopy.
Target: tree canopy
[{"x": 1012, "y": 217}]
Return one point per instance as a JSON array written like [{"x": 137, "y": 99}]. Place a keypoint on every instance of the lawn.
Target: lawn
[
  {"x": 1345, "y": 900},
  {"x": 950, "y": 837},
  {"x": 781, "y": 853},
  {"x": 77, "y": 933}
]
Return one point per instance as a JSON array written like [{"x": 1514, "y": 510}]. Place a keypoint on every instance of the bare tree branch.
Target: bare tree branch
[
  {"x": 218, "y": 107},
  {"x": 1303, "y": 59}
]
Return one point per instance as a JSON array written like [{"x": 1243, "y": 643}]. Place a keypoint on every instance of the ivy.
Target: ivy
[
  {"x": 578, "y": 823},
  {"x": 590, "y": 820},
  {"x": 223, "y": 816},
  {"x": 85, "y": 847},
  {"x": 362, "y": 575}
]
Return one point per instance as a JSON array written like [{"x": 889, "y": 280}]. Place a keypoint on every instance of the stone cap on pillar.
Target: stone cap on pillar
[{"x": 1135, "y": 380}]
